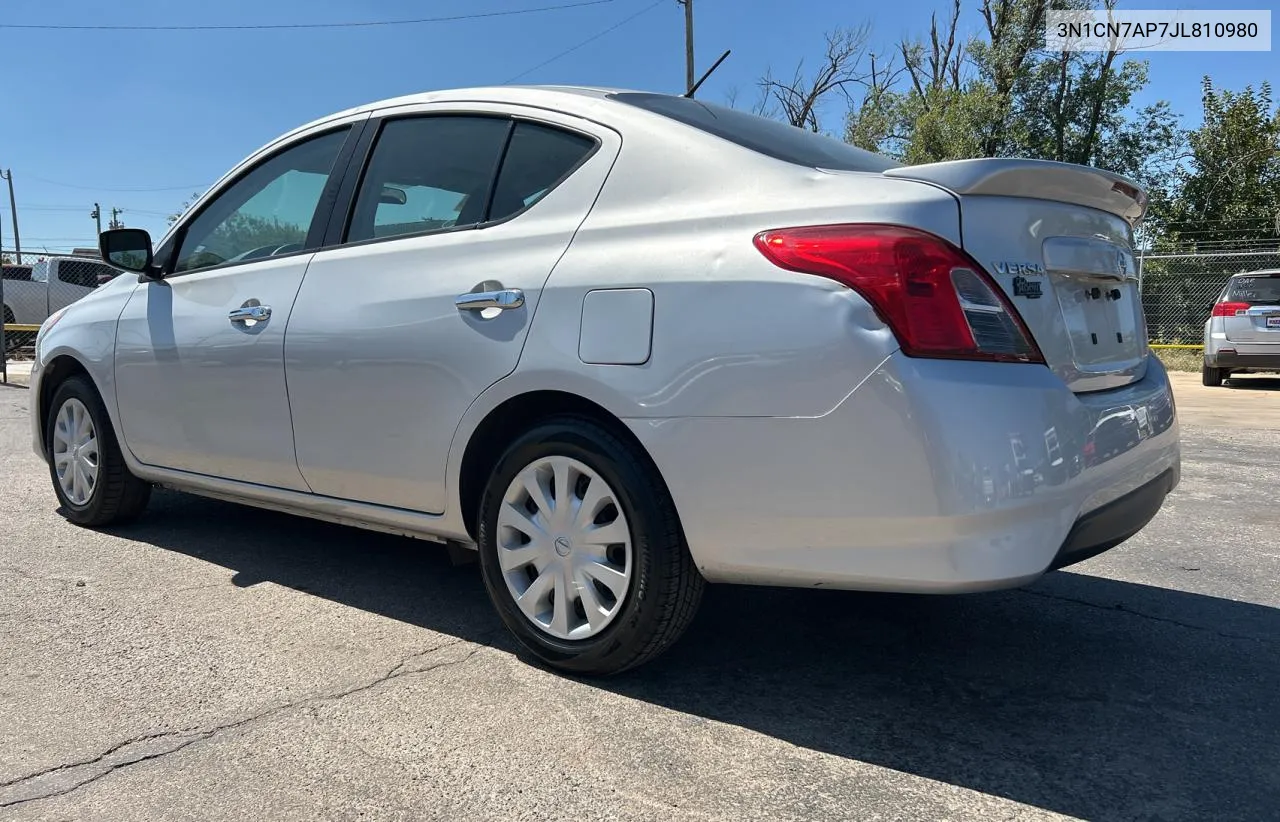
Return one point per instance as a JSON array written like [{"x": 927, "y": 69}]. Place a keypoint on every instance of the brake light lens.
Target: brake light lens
[
  {"x": 1229, "y": 309},
  {"x": 938, "y": 302}
]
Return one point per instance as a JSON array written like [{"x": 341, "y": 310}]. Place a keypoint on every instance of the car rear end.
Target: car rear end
[
  {"x": 1243, "y": 330},
  {"x": 1014, "y": 422}
]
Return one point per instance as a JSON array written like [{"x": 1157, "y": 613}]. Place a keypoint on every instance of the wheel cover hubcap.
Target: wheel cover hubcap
[
  {"x": 75, "y": 452},
  {"x": 564, "y": 547}
]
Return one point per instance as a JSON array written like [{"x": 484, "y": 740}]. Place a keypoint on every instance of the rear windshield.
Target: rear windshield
[
  {"x": 782, "y": 141},
  {"x": 18, "y": 272},
  {"x": 1262, "y": 289}
]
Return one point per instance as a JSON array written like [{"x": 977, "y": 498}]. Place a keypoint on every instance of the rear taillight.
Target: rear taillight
[
  {"x": 937, "y": 301},
  {"x": 1229, "y": 309}
]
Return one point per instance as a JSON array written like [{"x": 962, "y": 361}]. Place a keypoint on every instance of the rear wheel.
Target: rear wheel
[
  {"x": 1211, "y": 376},
  {"x": 89, "y": 475},
  {"x": 582, "y": 552}
]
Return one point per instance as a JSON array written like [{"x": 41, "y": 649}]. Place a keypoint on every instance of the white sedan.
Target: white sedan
[{"x": 624, "y": 344}]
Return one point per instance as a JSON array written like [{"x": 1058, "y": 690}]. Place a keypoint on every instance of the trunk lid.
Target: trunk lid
[
  {"x": 1260, "y": 322},
  {"x": 1058, "y": 239}
]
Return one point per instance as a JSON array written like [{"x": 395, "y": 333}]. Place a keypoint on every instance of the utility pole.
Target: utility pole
[
  {"x": 13, "y": 212},
  {"x": 96, "y": 214},
  {"x": 688, "y": 43},
  {"x": 115, "y": 221}
]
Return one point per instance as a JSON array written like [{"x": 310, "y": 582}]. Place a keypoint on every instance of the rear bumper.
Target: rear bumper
[
  {"x": 1267, "y": 361},
  {"x": 932, "y": 476},
  {"x": 1106, "y": 527}
]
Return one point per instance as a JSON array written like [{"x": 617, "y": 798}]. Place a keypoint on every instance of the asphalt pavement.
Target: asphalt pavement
[{"x": 219, "y": 662}]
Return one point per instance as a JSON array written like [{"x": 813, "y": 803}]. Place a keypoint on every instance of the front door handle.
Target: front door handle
[
  {"x": 503, "y": 299},
  {"x": 250, "y": 313}
]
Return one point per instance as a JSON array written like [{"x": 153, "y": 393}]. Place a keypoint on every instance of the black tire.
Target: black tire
[
  {"x": 1211, "y": 376},
  {"x": 118, "y": 496},
  {"x": 665, "y": 587}
]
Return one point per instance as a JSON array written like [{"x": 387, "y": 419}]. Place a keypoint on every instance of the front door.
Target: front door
[
  {"x": 381, "y": 360},
  {"x": 200, "y": 353}
]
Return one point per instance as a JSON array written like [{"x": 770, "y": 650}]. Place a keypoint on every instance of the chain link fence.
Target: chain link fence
[
  {"x": 38, "y": 286},
  {"x": 1178, "y": 292}
]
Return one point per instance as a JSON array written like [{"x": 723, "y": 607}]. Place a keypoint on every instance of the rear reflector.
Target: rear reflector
[
  {"x": 1229, "y": 309},
  {"x": 937, "y": 301}
]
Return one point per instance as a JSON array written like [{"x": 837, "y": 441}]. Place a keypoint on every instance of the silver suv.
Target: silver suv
[{"x": 1242, "y": 333}]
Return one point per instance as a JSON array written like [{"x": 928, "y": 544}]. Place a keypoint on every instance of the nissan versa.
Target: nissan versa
[{"x": 624, "y": 344}]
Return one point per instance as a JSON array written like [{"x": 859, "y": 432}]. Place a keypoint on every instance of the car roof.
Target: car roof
[
  {"x": 528, "y": 95},
  {"x": 1256, "y": 273}
]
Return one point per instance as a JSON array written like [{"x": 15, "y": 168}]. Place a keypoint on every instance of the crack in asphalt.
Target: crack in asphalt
[
  {"x": 19, "y": 572},
  {"x": 1125, "y": 609},
  {"x": 190, "y": 736}
]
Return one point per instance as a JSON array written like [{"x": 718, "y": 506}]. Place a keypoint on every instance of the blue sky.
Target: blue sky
[{"x": 141, "y": 119}]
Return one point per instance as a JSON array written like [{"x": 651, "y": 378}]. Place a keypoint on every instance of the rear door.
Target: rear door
[
  {"x": 381, "y": 359},
  {"x": 1257, "y": 314}
]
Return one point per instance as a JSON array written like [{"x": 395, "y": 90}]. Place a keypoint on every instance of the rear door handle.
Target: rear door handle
[
  {"x": 503, "y": 299},
  {"x": 255, "y": 313}
]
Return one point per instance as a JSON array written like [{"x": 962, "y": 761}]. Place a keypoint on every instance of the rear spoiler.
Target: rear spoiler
[{"x": 1041, "y": 179}]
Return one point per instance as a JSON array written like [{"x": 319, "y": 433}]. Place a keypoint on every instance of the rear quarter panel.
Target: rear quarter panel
[{"x": 732, "y": 334}]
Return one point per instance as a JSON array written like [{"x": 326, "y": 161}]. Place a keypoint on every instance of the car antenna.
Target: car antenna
[{"x": 698, "y": 84}]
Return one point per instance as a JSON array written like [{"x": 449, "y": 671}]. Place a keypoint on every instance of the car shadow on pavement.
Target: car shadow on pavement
[{"x": 1081, "y": 695}]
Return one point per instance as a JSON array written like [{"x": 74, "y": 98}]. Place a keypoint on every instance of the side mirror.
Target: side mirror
[{"x": 126, "y": 248}]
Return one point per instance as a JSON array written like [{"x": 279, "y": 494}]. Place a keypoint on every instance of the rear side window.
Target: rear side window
[
  {"x": 781, "y": 141},
  {"x": 1263, "y": 289},
  {"x": 428, "y": 174},
  {"x": 21, "y": 273},
  {"x": 538, "y": 157}
]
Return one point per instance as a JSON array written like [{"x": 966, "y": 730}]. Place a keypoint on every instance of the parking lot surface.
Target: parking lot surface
[{"x": 218, "y": 662}]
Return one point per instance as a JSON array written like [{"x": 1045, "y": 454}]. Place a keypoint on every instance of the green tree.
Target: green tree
[
  {"x": 182, "y": 209},
  {"x": 1228, "y": 194},
  {"x": 1001, "y": 94}
]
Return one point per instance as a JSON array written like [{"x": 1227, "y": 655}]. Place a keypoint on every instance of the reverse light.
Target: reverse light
[
  {"x": 1229, "y": 309},
  {"x": 938, "y": 302}
]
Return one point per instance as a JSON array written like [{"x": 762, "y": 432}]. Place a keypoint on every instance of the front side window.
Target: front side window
[
  {"x": 427, "y": 174},
  {"x": 537, "y": 158},
  {"x": 265, "y": 213}
]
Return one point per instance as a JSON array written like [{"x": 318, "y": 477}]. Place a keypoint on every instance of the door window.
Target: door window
[
  {"x": 537, "y": 158},
  {"x": 428, "y": 174},
  {"x": 267, "y": 212},
  {"x": 83, "y": 272}
]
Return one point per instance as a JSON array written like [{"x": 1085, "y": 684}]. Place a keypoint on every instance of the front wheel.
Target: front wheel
[
  {"x": 1211, "y": 376},
  {"x": 89, "y": 474},
  {"x": 582, "y": 552}
]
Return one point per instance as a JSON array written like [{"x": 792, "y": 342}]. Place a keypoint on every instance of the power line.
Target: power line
[
  {"x": 346, "y": 25},
  {"x": 590, "y": 39},
  {"x": 127, "y": 190}
]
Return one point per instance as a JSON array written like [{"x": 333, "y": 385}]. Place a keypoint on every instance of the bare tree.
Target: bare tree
[
  {"x": 799, "y": 99},
  {"x": 939, "y": 67}
]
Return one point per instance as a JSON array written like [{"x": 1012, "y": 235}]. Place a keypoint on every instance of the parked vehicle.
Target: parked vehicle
[
  {"x": 624, "y": 344},
  {"x": 9, "y": 274},
  {"x": 1242, "y": 334},
  {"x": 50, "y": 284}
]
